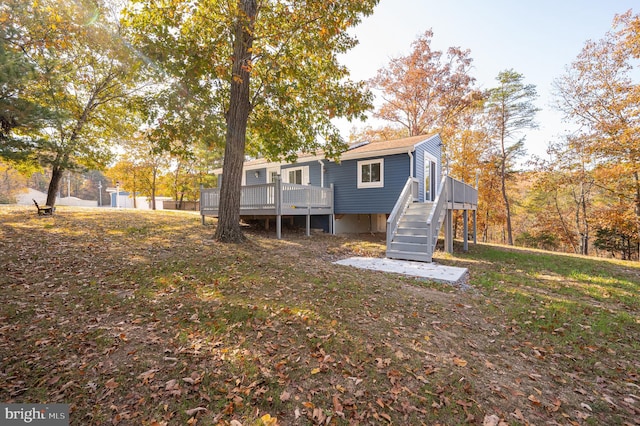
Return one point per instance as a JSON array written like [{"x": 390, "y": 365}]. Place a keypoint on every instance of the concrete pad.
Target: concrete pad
[{"x": 427, "y": 271}]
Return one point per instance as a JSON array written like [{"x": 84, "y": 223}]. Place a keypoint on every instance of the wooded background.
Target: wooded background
[{"x": 141, "y": 93}]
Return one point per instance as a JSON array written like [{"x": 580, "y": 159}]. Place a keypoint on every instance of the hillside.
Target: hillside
[{"x": 139, "y": 317}]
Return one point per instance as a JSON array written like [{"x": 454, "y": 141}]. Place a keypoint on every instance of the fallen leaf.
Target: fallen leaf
[
  {"x": 111, "y": 384},
  {"x": 386, "y": 417},
  {"x": 194, "y": 411},
  {"x": 147, "y": 375},
  {"x": 337, "y": 405},
  {"x": 267, "y": 420},
  {"x": 491, "y": 420},
  {"x": 285, "y": 396},
  {"x": 459, "y": 362},
  {"x": 518, "y": 414},
  {"x": 319, "y": 415}
]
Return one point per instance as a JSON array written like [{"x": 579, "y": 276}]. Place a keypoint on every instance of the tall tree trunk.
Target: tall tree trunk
[
  {"x": 237, "y": 117},
  {"x": 636, "y": 177},
  {"x": 54, "y": 185},
  {"x": 485, "y": 230},
  {"x": 565, "y": 228},
  {"x": 503, "y": 179},
  {"x": 153, "y": 188},
  {"x": 585, "y": 221}
]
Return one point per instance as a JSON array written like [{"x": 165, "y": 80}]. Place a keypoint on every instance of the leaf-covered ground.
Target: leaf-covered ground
[{"x": 141, "y": 318}]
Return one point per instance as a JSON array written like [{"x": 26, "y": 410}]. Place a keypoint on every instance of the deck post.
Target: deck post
[
  {"x": 465, "y": 232},
  {"x": 278, "y": 202},
  {"x": 308, "y": 191},
  {"x": 448, "y": 231},
  {"x": 475, "y": 227},
  {"x": 448, "y": 217},
  {"x": 332, "y": 217}
]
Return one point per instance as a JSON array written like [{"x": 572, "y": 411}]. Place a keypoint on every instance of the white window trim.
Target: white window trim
[
  {"x": 362, "y": 184},
  {"x": 270, "y": 171},
  {"x": 305, "y": 174}
]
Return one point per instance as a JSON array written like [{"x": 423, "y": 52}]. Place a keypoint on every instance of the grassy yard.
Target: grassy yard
[{"x": 141, "y": 318}]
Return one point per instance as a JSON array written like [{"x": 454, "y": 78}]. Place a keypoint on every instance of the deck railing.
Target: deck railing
[
  {"x": 408, "y": 194},
  {"x": 460, "y": 192},
  {"x": 257, "y": 197},
  {"x": 266, "y": 197},
  {"x": 274, "y": 199},
  {"x": 306, "y": 196},
  {"x": 451, "y": 194}
]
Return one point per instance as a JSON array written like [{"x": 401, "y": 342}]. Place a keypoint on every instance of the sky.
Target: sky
[{"x": 538, "y": 39}]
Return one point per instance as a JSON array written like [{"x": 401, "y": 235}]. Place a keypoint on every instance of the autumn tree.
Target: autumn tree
[
  {"x": 510, "y": 110},
  {"x": 564, "y": 193},
  {"x": 126, "y": 174},
  {"x": 267, "y": 71},
  {"x": 12, "y": 180},
  {"x": 82, "y": 70},
  {"x": 427, "y": 90},
  {"x": 18, "y": 114},
  {"x": 371, "y": 134},
  {"x": 599, "y": 92},
  {"x": 190, "y": 170}
]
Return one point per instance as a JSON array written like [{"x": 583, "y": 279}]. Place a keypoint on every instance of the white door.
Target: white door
[{"x": 429, "y": 179}]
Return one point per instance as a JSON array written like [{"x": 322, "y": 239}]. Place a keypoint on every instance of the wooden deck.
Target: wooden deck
[{"x": 274, "y": 199}]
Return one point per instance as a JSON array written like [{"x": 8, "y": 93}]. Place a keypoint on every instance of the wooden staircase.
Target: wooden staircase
[
  {"x": 413, "y": 227},
  {"x": 412, "y": 240}
]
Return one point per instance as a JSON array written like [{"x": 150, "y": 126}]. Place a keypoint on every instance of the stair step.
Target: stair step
[
  {"x": 426, "y": 205},
  {"x": 401, "y": 255},
  {"x": 421, "y": 217},
  {"x": 409, "y": 247},
  {"x": 409, "y": 223},
  {"x": 415, "y": 239},
  {"x": 412, "y": 231}
]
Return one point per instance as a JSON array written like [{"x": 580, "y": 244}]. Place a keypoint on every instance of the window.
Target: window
[
  {"x": 298, "y": 175},
  {"x": 295, "y": 176},
  {"x": 371, "y": 173},
  {"x": 272, "y": 174}
]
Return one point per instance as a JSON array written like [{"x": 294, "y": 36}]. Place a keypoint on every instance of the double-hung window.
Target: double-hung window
[
  {"x": 371, "y": 173},
  {"x": 298, "y": 175},
  {"x": 295, "y": 176}
]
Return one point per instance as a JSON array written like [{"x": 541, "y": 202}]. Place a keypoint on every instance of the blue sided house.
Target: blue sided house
[{"x": 394, "y": 186}]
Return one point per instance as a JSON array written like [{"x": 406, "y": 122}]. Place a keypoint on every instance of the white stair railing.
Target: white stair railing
[{"x": 407, "y": 196}]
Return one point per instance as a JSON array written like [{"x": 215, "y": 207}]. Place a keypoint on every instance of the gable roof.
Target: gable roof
[
  {"x": 359, "y": 150},
  {"x": 395, "y": 146}
]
